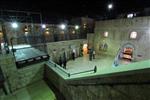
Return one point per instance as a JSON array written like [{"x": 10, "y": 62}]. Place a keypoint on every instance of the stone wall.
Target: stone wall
[
  {"x": 24, "y": 33},
  {"x": 90, "y": 39},
  {"x": 119, "y": 34},
  {"x": 18, "y": 78},
  {"x": 134, "y": 86},
  {"x": 56, "y": 49}
]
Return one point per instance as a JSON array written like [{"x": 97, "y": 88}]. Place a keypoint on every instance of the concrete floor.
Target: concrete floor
[
  {"x": 104, "y": 65},
  {"x": 36, "y": 91},
  {"x": 83, "y": 63}
]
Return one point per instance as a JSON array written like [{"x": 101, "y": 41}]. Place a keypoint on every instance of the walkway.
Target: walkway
[
  {"x": 83, "y": 63},
  {"x": 104, "y": 65}
]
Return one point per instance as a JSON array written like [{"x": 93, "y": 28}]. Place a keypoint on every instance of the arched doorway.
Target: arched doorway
[
  {"x": 85, "y": 49},
  {"x": 125, "y": 54}
]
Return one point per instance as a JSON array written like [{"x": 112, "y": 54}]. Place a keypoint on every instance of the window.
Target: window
[{"x": 133, "y": 35}]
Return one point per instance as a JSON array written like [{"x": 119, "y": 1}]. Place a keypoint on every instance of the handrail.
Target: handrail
[
  {"x": 69, "y": 74},
  {"x": 95, "y": 70},
  {"x": 57, "y": 66}
]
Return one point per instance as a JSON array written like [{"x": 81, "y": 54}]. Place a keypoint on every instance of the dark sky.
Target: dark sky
[{"x": 66, "y": 9}]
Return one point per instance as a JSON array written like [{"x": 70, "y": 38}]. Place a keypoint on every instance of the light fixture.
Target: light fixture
[
  {"x": 47, "y": 29},
  {"x": 14, "y": 25},
  {"x": 1, "y": 34},
  {"x": 133, "y": 35},
  {"x": 110, "y": 6},
  {"x": 47, "y": 32},
  {"x": 130, "y": 15},
  {"x": 43, "y": 26},
  {"x": 26, "y": 29},
  {"x": 84, "y": 25},
  {"x": 85, "y": 45},
  {"x": 105, "y": 34},
  {"x": 26, "y": 33},
  {"x": 76, "y": 27},
  {"x": 62, "y": 26},
  {"x": 73, "y": 32}
]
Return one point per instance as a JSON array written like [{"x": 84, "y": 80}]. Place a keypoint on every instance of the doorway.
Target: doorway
[{"x": 85, "y": 49}]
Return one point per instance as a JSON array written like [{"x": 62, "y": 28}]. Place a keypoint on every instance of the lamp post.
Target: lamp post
[{"x": 110, "y": 6}]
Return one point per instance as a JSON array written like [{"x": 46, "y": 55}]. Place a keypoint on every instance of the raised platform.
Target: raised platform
[
  {"x": 26, "y": 55},
  {"x": 104, "y": 67}
]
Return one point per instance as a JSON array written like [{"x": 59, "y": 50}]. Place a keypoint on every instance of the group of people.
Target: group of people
[
  {"x": 63, "y": 60},
  {"x": 91, "y": 54}
]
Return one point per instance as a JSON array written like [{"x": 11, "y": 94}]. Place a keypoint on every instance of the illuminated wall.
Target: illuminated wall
[
  {"x": 49, "y": 33},
  {"x": 119, "y": 34}
]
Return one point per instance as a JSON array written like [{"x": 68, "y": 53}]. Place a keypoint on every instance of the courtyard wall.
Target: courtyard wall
[{"x": 119, "y": 34}]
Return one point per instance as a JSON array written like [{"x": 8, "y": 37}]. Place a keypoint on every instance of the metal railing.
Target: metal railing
[
  {"x": 57, "y": 66},
  {"x": 70, "y": 74},
  {"x": 92, "y": 70}
]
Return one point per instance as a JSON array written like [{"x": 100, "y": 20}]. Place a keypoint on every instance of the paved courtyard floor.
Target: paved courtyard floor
[
  {"x": 104, "y": 63},
  {"x": 83, "y": 63}
]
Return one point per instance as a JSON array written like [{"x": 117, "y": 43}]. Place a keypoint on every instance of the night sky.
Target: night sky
[{"x": 61, "y": 9}]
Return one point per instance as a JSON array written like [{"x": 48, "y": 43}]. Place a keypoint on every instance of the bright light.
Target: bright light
[
  {"x": 47, "y": 32},
  {"x": 73, "y": 32},
  {"x": 105, "y": 34},
  {"x": 110, "y": 6},
  {"x": 84, "y": 25},
  {"x": 76, "y": 27},
  {"x": 133, "y": 35},
  {"x": 20, "y": 46},
  {"x": 85, "y": 45},
  {"x": 63, "y": 26},
  {"x": 14, "y": 25},
  {"x": 1, "y": 34},
  {"x": 47, "y": 29},
  {"x": 43, "y": 26},
  {"x": 26, "y": 33},
  {"x": 130, "y": 15},
  {"x": 26, "y": 29}
]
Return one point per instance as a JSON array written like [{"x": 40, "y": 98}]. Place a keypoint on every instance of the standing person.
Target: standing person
[
  {"x": 94, "y": 54},
  {"x": 64, "y": 60},
  {"x": 81, "y": 50},
  {"x": 73, "y": 54},
  {"x": 60, "y": 61},
  {"x": 90, "y": 54}
]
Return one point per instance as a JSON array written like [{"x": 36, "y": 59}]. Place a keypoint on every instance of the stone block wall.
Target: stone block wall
[
  {"x": 90, "y": 39},
  {"x": 134, "y": 86},
  {"x": 119, "y": 34},
  {"x": 48, "y": 34},
  {"x": 18, "y": 78},
  {"x": 56, "y": 49}
]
